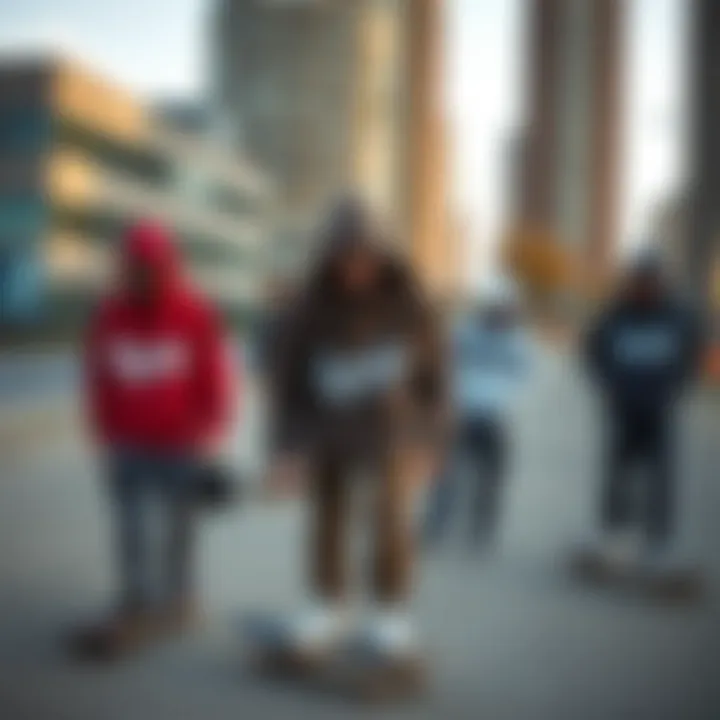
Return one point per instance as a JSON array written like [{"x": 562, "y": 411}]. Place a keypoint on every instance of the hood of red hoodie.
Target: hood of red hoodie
[{"x": 151, "y": 247}]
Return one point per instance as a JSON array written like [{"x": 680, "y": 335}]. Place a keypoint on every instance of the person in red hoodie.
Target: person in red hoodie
[{"x": 158, "y": 382}]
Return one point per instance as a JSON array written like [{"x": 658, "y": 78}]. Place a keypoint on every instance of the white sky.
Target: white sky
[{"x": 157, "y": 48}]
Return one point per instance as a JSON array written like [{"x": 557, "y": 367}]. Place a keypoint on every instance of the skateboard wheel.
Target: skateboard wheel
[{"x": 285, "y": 663}]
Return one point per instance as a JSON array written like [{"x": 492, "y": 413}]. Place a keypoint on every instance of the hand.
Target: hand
[
  {"x": 424, "y": 465},
  {"x": 286, "y": 476}
]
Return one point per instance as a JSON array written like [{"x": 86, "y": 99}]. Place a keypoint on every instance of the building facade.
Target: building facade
[
  {"x": 569, "y": 182},
  {"x": 79, "y": 158},
  {"x": 703, "y": 226},
  {"x": 340, "y": 95}
]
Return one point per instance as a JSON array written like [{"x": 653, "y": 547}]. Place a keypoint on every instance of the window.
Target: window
[
  {"x": 21, "y": 217},
  {"x": 20, "y": 286},
  {"x": 190, "y": 182},
  {"x": 24, "y": 130},
  {"x": 133, "y": 162}
]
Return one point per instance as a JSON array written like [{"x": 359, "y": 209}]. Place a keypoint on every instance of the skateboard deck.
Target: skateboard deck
[
  {"x": 344, "y": 676},
  {"x": 104, "y": 643},
  {"x": 678, "y": 586},
  {"x": 95, "y": 644},
  {"x": 343, "y": 672},
  {"x": 369, "y": 679}
]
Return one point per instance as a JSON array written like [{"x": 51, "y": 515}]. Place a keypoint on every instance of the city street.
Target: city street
[{"x": 511, "y": 636}]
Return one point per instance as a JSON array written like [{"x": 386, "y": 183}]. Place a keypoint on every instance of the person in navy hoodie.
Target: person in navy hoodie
[{"x": 642, "y": 353}]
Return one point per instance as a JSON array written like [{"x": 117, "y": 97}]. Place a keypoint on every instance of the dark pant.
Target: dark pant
[
  {"x": 392, "y": 486},
  {"x": 154, "y": 512},
  {"x": 483, "y": 442},
  {"x": 642, "y": 440}
]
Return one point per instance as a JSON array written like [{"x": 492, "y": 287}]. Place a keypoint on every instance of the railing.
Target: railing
[{"x": 131, "y": 198}]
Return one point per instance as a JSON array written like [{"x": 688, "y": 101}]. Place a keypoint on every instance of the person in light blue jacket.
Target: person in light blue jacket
[{"x": 491, "y": 358}]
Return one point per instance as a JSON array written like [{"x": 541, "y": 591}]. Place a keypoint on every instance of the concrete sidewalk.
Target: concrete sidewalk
[
  {"x": 22, "y": 426},
  {"x": 512, "y": 637}
]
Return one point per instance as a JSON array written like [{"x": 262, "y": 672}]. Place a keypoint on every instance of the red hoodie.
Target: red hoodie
[{"x": 158, "y": 370}]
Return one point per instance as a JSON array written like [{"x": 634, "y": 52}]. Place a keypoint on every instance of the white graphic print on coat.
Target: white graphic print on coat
[
  {"x": 346, "y": 377},
  {"x": 137, "y": 362}
]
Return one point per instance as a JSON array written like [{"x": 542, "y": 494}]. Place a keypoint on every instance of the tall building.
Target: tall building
[
  {"x": 334, "y": 95},
  {"x": 79, "y": 157},
  {"x": 284, "y": 88},
  {"x": 703, "y": 238},
  {"x": 570, "y": 176},
  {"x": 189, "y": 117},
  {"x": 426, "y": 172}
]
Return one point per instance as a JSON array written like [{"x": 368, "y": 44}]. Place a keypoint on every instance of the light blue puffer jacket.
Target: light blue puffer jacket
[{"x": 489, "y": 366}]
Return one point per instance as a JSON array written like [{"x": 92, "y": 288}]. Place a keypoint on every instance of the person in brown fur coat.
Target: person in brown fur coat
[{"x": 360, "y": 398}]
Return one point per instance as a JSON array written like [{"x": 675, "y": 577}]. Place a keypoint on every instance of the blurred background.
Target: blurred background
[
  {"x": 551, "y": 139},
  {"x": 551, "y": 136}
]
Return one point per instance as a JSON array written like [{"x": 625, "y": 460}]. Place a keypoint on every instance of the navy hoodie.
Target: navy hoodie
[{"x": 642, "y": 356}]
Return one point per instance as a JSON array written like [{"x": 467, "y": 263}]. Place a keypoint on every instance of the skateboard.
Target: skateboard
[
  {"x": 101, "y": 644},
  {"x": 681, "y": 586},
  {"x": 366, "y": 677},
  {"x": 345, "y": 671},
  {"x": 112, "y": 640}
]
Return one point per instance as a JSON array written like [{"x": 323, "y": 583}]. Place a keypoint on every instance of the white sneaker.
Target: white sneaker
[
  {"x": 316, "y": 628},
  {"x": 390, "y": 633}
]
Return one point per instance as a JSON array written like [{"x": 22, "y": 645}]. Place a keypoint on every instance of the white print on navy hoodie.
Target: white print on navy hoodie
[{"x": 646, "y": 346}]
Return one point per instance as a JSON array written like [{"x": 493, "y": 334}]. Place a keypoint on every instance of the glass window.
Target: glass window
[
  {"x": 24, "y": 130},
  {"x": 21, "y": 217},
  {"x": 190, "y": 182},
  {"x": 20, "y": 286}
]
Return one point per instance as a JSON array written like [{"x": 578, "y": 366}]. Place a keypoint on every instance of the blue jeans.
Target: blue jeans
[
  {"x": 152, "y": 494},
  {"x": 645, "y": 439},
  {"x": 483, "y": 442}
]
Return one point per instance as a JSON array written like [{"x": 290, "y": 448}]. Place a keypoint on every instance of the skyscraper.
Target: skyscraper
[
  {"x": 330, "y": 95},
  {"x": 704, "y": 214},
  {"x": 570, "y": 175},
  {"x": 283, "y": 81},
  {"x": 426, "y": 170}
]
